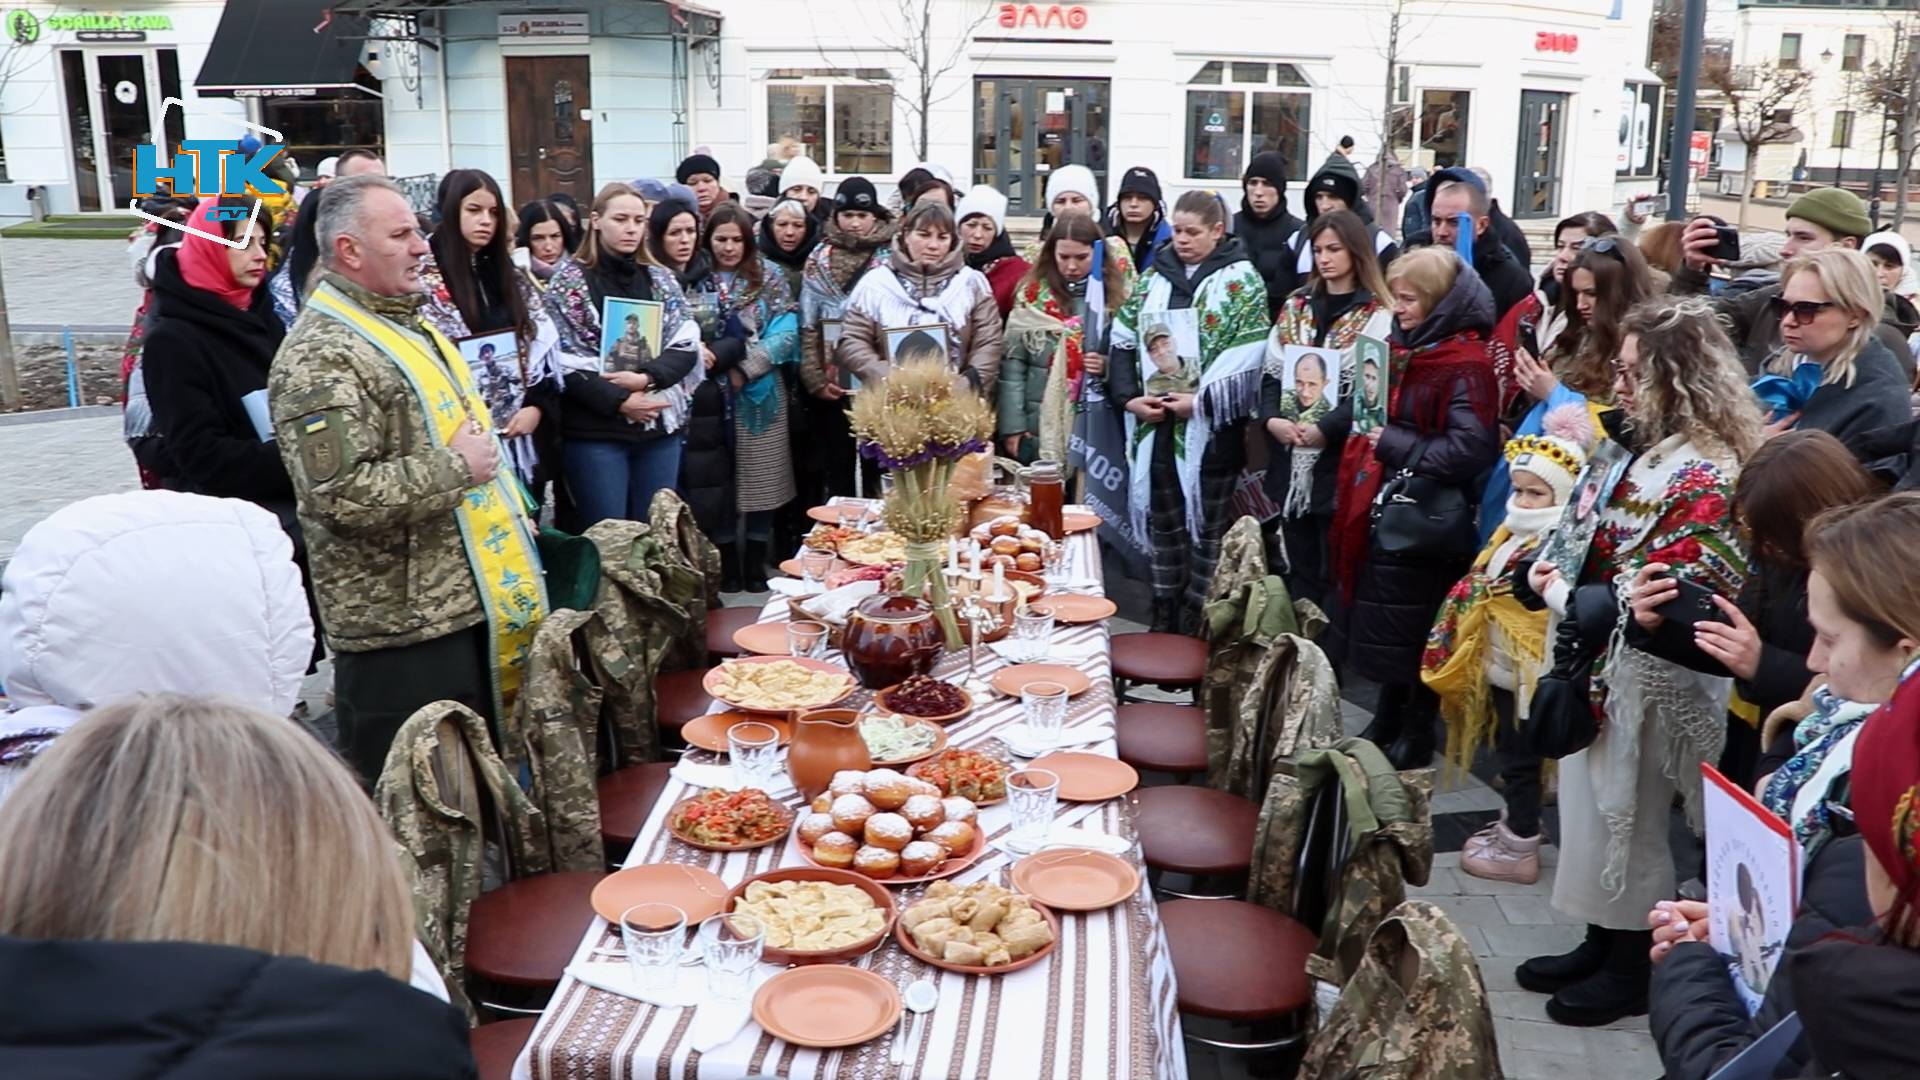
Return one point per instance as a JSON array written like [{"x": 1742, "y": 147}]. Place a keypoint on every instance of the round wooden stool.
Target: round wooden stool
[
  {"x": 1169, "y": 661},
  {"x": 496, "y": 1045},
  {"x": 721, "y": 624},
  {"x": 1197, "y": 832},
  {"x": 1163, "y": 737}
]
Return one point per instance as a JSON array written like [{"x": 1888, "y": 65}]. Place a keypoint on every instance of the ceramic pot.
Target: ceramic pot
[
  {"x": 890, "y": 637},
  {"x": 825, "y": 741}
]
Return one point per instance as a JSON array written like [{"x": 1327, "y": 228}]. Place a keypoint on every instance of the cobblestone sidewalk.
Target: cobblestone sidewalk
[{"x": 46, "y": 463}]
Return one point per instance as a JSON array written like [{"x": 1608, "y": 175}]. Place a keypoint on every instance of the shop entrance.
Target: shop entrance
[
  {"x": 1026, "y": 128},
  {"x": 113, "y": 105},
  {"x": 1543, "y": 117},
  {"x": 551, "y": 145}
]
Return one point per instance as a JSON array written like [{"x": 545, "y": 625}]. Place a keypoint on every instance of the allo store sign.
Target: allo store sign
[
  {"x": 208, "y": 168},
  {"x": 1547, "y": 41},
  {"x": 1046, "y": 17}
]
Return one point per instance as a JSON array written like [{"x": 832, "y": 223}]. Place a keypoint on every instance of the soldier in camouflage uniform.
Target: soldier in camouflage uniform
[{"x": 377, "y": 491}]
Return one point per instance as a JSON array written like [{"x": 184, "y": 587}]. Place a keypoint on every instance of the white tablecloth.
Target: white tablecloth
[{"x": 1102, "y": 1006}]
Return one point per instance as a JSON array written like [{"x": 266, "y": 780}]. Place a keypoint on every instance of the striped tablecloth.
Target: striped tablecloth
[{"x": 1102, "y": 1006}]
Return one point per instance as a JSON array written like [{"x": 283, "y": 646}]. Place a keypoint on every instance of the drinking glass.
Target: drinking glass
[
  {"x": 1045, "y": 707},
  {"x": 806, "y": 638},
  {"x": 1055, "y": 558},
  {"x": 1031, "y": 796},
  {"x": 886, "y": 486},
  {"x": 655, "y": 935},
  {"x": 754, "y": 748},
  {"x": 730, "y": 945},
  {"x": 851, "y": 515},
  {"x": 1033, "y": 633},
  {"x": 816, "y": 564}
]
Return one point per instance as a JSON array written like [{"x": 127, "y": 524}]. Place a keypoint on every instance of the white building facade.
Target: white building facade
[{"x": 1553, "y": 100}]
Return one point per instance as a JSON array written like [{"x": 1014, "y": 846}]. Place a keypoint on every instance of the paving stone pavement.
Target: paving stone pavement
[
  {"x": 48, "y": 460},
  {"x": 69, "y": 282}
]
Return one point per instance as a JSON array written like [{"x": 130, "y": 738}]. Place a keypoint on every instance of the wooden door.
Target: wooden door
[{"x": 550, "y": 146}]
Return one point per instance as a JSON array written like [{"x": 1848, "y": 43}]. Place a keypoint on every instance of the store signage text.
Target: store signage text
[
  {"x": 1549, "y": 41},
  {"x": 1066, "y": 16},
  {"x": 23, "y": 26},
  {"x": 546, "y": 27}
]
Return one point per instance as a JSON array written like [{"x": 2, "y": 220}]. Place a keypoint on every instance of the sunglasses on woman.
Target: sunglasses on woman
[{"x": 1803, "y": 311}]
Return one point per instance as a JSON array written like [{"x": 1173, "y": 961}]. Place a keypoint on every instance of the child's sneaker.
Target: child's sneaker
[{"x": 1502, "y": 856}]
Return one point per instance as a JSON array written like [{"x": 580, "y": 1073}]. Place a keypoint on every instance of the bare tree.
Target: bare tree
[
  {"x": 907, "y": 30},
  {"x": 22, "y": 34},
  {"x": 1893, "y": 88},
  {"x": 1391, "y": 119},
  {"x": 1754, "y": 95}
]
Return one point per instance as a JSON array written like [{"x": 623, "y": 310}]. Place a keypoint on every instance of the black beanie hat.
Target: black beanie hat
[
  {"x": 857, "y": 193},
  {"x": 1336, "y": 183},
  {"x": 1268, "y": 165},
  {"x": 693, "y": 166},
  {"x": 1140, "y": 180}
]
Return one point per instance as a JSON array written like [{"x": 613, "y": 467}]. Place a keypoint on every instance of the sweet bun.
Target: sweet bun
[
  {"x": 924, "y": 811},
  {"x": 959, "y": 808},
  {"x": 921, "y": 857},
  {"x": 836, "y": 850},
  {"x": 850, "y": 813},
  {"x": 1005, "y": 545},
  {"x": 847, "y": 782},
  {"x": 887, "y": 789},
  {"x": 890, "y": 831},
  {"x": 876, "y": 862},
  {"x": 822, "y": 803},
  {"x": 1004, "y": 526},
  {"x": 1029, "y": 562},
  {"x": 814, "y": 826},
  {"x": 955, "y": 836},
  {"x": 922, "y": 787},
  {"x": 1007, "y": 561}
]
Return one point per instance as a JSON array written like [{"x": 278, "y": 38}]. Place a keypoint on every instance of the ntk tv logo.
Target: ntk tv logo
[{"x": 208, "y": 168}]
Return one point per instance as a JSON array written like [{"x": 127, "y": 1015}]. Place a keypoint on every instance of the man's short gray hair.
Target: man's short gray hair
[
  {"x": 1476, "y": 195},
  {"x": 343, "y": 207}
]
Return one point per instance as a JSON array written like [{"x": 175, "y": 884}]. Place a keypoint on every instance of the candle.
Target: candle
[
  {"x": 976, "y": 561},
  {"x": 953, "y": 553},
  {"x": 999, "y": 581}
]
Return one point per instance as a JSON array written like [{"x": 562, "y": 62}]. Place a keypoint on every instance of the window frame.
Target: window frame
[
  {"x": 1843, "y": 122},
  {"x": 1407, "y": 145},
  {"x": 1799, "y": 46},
  {"x": 1246, "y": 92},
  {"x": 831, "y": 83},
  {"x": 1853, "y": 52}
]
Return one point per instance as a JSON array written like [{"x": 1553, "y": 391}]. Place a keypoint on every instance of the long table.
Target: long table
[{"x": 1101, "y": 1006}]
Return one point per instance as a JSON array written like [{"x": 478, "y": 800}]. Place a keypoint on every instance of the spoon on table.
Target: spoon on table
[{"x": 921, "y": 997}]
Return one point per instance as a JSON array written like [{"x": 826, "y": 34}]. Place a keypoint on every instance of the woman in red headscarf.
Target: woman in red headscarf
[{"x": 206, "y": 356}]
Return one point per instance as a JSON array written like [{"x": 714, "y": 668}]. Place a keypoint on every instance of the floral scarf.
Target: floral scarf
[
  {"x": 1816, "y": 739},
  {"x": 1041, "y": 317}
]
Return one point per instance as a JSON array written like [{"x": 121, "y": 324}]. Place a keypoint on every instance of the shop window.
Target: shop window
[
  {"x": 1246, "y": 116},
  {"x": 323, "y": 127},
  {"x": 843, "y": 124},
  {"x": 1789, "y": 50},
  {"x": 1433, "y": 134}
]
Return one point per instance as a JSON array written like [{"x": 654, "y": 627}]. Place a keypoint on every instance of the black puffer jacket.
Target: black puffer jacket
[
  {"x": 1699, "y": 1022},
  {"x": 1859, "y": 1025},
  {"x": 182, "y": 1011},
  {"x": 1879, "y": 397},
  {"x": 706, "y": 461},
  {"x": 202, "y": 358}
]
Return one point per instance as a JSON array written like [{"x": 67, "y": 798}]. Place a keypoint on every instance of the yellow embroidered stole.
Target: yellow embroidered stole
[{"x": 493, "y": 516}]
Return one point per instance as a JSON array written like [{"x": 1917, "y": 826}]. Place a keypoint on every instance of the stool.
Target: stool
[
  {"x": 721, "y": 624},
  {"x": 626, "y": 801},
  {"x": 524, "y": 932},
  {"x": 1197, "y": 832},
  {"x": 1238, "y": 962},
  {"x": 1169, "y": 661},
  {"x": 1163, "y": 737},
  {"x": 679, "y": 697},
  {"x": 495, "y": 1046}
]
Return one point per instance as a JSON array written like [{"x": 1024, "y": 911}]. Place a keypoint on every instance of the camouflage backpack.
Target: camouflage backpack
[
  {"x": 551, "y": 741},
  {"x": 692, "y": 582},
  {"x": 1416, "y": 1008},
  {"x": 446, "y": 795},
  {"x": 637, "y": 627}
]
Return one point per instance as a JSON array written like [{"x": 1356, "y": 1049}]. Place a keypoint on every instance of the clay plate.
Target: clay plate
[
  {"x": 693, "y": 889},
  {"x": 709, "y": 732},
  {"x": 708, "y": 682},
  {"x": 1011, "y": 680},
  {"x": 1068, "y": 608},
  {"x": 793, "y": 569},
  {"x": 906, "y": 941},
  {"x": 880, "y": 895},
  {"x": 673, "y": 814},
  {"x": 953, "y": 865},
  {"x": 763, "y": 638},
  {"x": 881, "y": 700},
  {"x": 1088, "y": 777},
  {"x": 826, "y": 1006},
  {"x": 830, "y": 515},
  {"x": 939, "y": 744},
  {"x": 1075, "y": 879},
  {"x": 1078, "y": 522}
]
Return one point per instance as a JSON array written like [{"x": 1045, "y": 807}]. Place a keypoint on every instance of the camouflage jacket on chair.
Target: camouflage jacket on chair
[
  {"x": 552, "y": 740},
  {"x": 440, "y": 792},
  {"x": 1287, "y": 701},
  {"x": 637, "y": 627},
  {"x": 694, "y": 584},
  {"x": 1416, "y": 1009}
]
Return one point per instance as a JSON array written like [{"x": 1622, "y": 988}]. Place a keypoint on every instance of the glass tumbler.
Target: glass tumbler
[
  {"x": 1033, "y": 633},
  {"x": 655, "y": 935},
  {"x": 1032, "y": 795},
  {"x": 730, "y": 946},
  {"x": 1045, "y": 707},
  {"x": 754, "y": 749},
  {"x": 807, "y": 638}
]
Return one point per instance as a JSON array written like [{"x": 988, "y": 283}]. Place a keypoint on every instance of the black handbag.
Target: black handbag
[
  {"x": 1560, "y": 719},
  {"x": 1420, "y": 517}
]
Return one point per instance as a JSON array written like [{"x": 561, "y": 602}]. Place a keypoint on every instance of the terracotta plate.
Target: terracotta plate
[
  {"x": 708, "y": 681},
  {"x": 693, "y": 889},
  {"x": 1088, "y": 777},
  {"x": 793, "y": 569},
  {"x": 673, "y": 816},
  {"x": 709, "y": 732},
  {"x": 763, "y": 638},
  {"x": 1078, "y": 521},
  {"x": 1069, "y": 608},
  {"x": 1010, "y": 680},
  {"x": 952, "y": 866},
  {"x": 882, "y": 899},
  {"x": 1075, "y": 879},
  {"x": 906, "y": 941},
  {"x": 939, "y": 744},
  {"x": 830, "y": 515},
  {"x": 826, "y": 1006}
]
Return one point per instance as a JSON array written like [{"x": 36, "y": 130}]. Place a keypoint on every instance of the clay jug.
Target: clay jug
[{"x": 825, "y": 741}]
